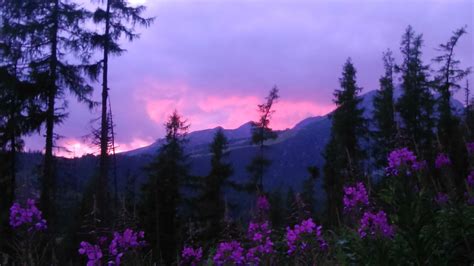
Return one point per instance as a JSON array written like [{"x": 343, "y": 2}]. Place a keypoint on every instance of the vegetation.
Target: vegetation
[{"x": 408, "y": 202}]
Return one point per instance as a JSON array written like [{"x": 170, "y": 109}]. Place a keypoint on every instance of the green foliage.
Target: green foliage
[
  {"x": 416, "y": 104},
  {"x": 343, "y": 154},
  {"x": 211, "y": 209},
  {"x": 168, "y": 172},
  {"x": 261, "y": 133},
  {"x": 385, "y": 132}
]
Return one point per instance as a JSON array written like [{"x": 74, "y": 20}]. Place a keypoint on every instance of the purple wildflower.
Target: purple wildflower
[
  {"x": 442, "y": 160},
  {"x": 121, "y": 243},
  {"x": 441, "y": 198},
  {"x": 263, "y": 204},
  {"x": 402, "y": 161},
  {"x": 229, "y": 252},
  {"x": 30, "y": 216},
  {"x": 470, "y": 147},
  {"x": 191, "y": 256},
  {"x": 355, "y": 196},
  {"x": 470, "y": 179},
  {"x": 93, "y": 253},
  {"x": 259, "y": 235},
  {"x": 302, "y": 236},
  {"x": 374, "y": 225}
]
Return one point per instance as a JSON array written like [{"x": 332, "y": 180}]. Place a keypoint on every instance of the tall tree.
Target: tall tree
[
  {"x": 448, "y": 78},
  {"x": 167, "y": 172},
  {"x": 343, "y": 154},
  {"x": 118, "y": 20},
  {"x": 449, "y": 128},
  {"x": 55, "y": 30},
  {"x": 19, "y": 105},
  {"x": 211, "y": 201},
  {"x": 469, "y": 112},
  {"x": 384, "y": 113},
  {"x": 416, "y": 103},
  {"x": 261, "y": 133}
]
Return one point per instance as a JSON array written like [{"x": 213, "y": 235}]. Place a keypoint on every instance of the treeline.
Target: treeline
[{"x": 48, "y": 51}]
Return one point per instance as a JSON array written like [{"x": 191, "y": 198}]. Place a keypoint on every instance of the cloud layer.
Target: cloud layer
[{"x": 214, "y": 61}]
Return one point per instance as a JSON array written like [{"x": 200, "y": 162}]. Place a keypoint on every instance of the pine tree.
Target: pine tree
[
  {"x": 118, "y": 20},
  {"x": 261, "y": 133},
  {"x": 416, "y": 103},
  {"x": 211, "y": 200},
  {"x": 385, "y": 131},
  {"x": 19, "y": 105},
  {"x": 450, "y": 133},
  {"x": 448, "y": 77},
  {"x": 55, "y": 29},
  {"x": 343, "y": 154},
  {"x": 167, "y": 172},
  {"x": 469, "y": 113}
]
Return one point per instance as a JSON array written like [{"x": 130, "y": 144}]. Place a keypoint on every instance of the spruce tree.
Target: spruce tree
[
  {"x": 447, "y": 83},
  {"x": 416, "y": 103},
  {"x": 118, "y": 20},
  {"x": 449, "y": 131},
  {"x": 385, "y": 131},
  {"x": 166, "y": 174},
  {"x": 20, "y": 112},
  {"x": 343, "y": 154},
  {"x": 211, "y": 200},
  {"x": 57, "y": 35},
  {"x": 261, "y": 133}
]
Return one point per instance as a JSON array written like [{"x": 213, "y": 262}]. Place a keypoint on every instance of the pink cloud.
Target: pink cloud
[
  {"x": 229, "y": 111},
  {"x": 73, "y": 148}
]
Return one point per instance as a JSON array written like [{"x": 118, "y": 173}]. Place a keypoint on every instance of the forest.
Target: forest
[{"x": 395, "y": 185}]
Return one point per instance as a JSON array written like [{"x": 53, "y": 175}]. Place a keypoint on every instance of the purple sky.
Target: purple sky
[{"x": 214, "y": 61}]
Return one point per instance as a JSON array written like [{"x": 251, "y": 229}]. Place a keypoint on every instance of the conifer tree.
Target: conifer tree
[
  {"x": 449, "y": 75},
  {"x": 56, "y": 33},
  {"x": 343, "y": 154},
  {"x": 469, "y": 112},
  {"x": 384, "y": 114},
  {"x": 416, "y": 103},
  {"x": 261, "y": 132},
  {"x": 20, "y": 112},
  {"x": 166, "y": 174},
  {"x": 211, "y": 200},
  {"x": 118, "y": 20}
]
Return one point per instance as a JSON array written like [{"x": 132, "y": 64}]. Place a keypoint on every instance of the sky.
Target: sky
[{"x": 214, "y": 61}]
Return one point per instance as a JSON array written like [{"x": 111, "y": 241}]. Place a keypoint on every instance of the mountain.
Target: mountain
[{"x": 291, "y": 153}]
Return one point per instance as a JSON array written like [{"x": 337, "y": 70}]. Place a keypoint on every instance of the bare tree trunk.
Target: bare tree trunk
[{"x": 104, "y": 132}]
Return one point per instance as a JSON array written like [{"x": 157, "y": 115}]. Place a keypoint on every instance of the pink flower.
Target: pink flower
[
  {"x": 402, "y": 161},
  {"x": 470, "y": 147},
  {"x": 262, "y": 245},
  {"x": 191, "y": 256},
  {"x": 263, "y": 204},
  {"x": 229, "y": 253},
  {"x": 442, "y": 160},
  {"x": 30, "y": 216},
  {"x": 303, "y": 236},
  {"x": 355, "y": 196},
  {"x": 375, "y": 225},
  {"x": 441, "y": 198},
  {"x": 93, "y": 253}
]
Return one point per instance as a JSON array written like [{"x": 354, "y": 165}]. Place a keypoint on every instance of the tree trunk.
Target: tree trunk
[
  {"x": 104, "y": 128},
  {"x": 48, "y": 182}
]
